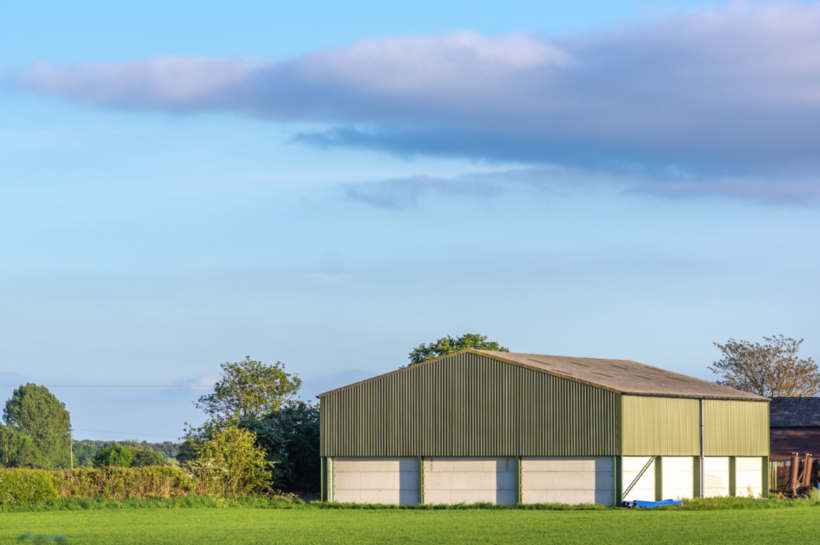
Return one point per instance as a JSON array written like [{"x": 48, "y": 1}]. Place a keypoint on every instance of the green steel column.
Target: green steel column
[
  {"x": 658, "y": 478},
  {"x": 765, "y": 490},
  {"x": 421, "y": 480},
  {"x": 732, "y": 476},
  {"x": 696, "y": 491},
  {"x": 322, "y": 478},
  {"x": 519, "y": 491},
  {"x": 619, "y": 484}
]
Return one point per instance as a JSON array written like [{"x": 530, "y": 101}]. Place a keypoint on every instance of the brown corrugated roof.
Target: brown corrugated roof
[{"x": 625, "y": 376}]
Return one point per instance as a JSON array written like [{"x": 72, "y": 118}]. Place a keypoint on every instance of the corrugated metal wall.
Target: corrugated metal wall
[
  {"x": 735, "y": 428},
  {"x": 470, "y": 405},
  {"x": 660, "y": 426}
]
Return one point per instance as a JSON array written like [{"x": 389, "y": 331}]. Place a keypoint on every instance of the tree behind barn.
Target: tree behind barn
[
  {"x": 248, "y": 389},
  {"x": 448, "y": 345},
  {"x": 771, "y": 368}
]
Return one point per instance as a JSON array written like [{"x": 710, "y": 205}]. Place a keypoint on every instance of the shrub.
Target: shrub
[
  {"x": 125, "y": 482},
  {"x": 290, "y": 437},
  {"x": 26, "y": 485},
  {"x": 147, "y": 457},
  {"x": 231, "y": 464}
]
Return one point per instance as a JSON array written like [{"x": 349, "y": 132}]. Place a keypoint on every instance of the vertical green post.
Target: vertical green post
[
  {"x": 421, "y": 480},
  {"x": 658, "y": 478},
  {"x": 322, "y": 479},
  {"x": 696, "y": 491},
  {"x": 619, "y": 484},
  {"x": 518, "y": 485},
  {"x": 331, "y": 493},
  {"x": 732, "y": 476},
  {"x": 765, "y": 490}
]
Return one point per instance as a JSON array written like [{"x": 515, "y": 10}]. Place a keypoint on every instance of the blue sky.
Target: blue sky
[{"x": 186, "y": 185}]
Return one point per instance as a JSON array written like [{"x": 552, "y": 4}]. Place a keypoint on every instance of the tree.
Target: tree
[
  {"x": 771, "y": 368},
  {"x": 231, "y": 463},
  {"x": 447, "y": 345},
  {"x": 17, "y": 449},
  {"x": 147, "y": 457},
  {"x": 248, "y": 389},
  {"x": 114, "y": 456},
  {"x": 290, "y": 437},
  {"x": 35, "y": 411}
]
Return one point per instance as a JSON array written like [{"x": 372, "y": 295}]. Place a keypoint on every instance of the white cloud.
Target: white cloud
[{"x": 728, "y": 93}]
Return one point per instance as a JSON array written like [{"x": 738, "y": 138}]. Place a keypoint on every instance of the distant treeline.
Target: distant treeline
[{"x": 86, "y": 450}]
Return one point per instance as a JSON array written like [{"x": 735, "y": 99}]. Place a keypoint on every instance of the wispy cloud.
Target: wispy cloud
[
  {"x": 405, "y": 193},
  {"x": 729, "y": 94}
]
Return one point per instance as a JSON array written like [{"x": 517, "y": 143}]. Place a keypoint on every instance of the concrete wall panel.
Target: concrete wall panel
[
  {"x": 715, "y": 476},
  {"x": 644, "y": 489},
  {"x": 375, "y": 480},
  {"x": 567, "y": 480},
  {"x": 748, "y": 476},
  {"x": 470, "y": 480},
  {"x": 677, "y": 477}
]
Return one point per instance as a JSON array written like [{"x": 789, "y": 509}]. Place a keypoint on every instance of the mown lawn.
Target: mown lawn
[{"x": 239, "y": 526}]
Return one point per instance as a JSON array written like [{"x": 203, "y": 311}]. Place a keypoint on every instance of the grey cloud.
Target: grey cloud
[
  {"x": 728, "y": 93},
  {"x": 405, "y": 193}
]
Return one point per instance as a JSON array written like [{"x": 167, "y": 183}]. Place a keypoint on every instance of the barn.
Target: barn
[
  {"x": 795, "y": 426},
  {"x": 506, "y": 428}
]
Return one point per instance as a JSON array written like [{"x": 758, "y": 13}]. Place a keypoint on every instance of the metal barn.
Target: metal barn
[{"x": 500, "y": 427}]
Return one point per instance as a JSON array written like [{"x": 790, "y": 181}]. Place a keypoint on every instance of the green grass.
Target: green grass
[{"x": 310, "y": 525}]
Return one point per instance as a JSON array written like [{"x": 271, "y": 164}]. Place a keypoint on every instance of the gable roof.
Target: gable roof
[
  {"x": 623, "y": 376},
  {"x": 795, "y": 412}
]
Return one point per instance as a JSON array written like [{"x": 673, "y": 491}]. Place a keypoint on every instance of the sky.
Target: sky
[{"x": 330, "y": 184}]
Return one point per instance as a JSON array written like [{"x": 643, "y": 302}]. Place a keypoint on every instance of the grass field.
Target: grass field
[{"x": 240, "y": 526}]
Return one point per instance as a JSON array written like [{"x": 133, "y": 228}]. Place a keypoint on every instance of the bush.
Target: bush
[
  {"x": 230, "y": 464},
  {"x": 125, "y": 482},
  {"x": 26, "y": 486},
  {"x": 147, "y": 457},
  {"x": 290, "y": 437}
]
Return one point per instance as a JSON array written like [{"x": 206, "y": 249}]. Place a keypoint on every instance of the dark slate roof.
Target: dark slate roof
[{"x": 795, "y": 412}]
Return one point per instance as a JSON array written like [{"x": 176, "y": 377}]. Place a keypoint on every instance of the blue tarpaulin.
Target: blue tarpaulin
[{"x": 653, "y": 504}]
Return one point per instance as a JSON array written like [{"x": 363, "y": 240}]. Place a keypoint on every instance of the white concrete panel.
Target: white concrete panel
[
  {"x": 567, "y": 480},
  {"x": 375, "y": 480},
  {"x": 644, "y": 489},
  {"x": 470, "y": 480},
  {"x": 678, "y": 477},
  {"x": 748, "y": 476},
  {"x": 715, "y": 476}
]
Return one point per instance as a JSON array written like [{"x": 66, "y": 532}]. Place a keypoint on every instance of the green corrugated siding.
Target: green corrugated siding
[
  {"x": 470, "y": 405},
  {"x": 660, "y": 426},
  {"x": 735, "y": 428}
]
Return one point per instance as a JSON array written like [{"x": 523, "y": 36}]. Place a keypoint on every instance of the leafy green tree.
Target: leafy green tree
[
  {"x": 17, "y": 449},
  {"x": 147, "y": 457},
  {"x": 290, "y": 437},
  {"x": 84, "y": 452},
  {"x": 448, "y": 345},
  {"x": 248, "y": 389},
  {"x": 189, "y": 449},
  {"x": 232, "y": 464},
  {"x": 114, "y": 456},
  {"x": 771, "y": 368},
  {"x": 35, "y": 411}
]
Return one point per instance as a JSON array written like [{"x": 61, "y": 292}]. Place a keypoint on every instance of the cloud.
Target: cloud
[
  {"x": 731, "y": 93},
  {"x": 405, "y": 193}
]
